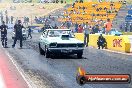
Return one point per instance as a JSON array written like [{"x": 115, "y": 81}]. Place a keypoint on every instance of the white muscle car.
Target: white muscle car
[{"x": 60, "y": 41}]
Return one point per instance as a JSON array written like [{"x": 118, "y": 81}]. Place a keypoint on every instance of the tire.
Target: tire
[
  {"x": 81, "y": 80},
  {"x": 79, "y": 55},
  {"x": 13, "y": 38},
  {"x": 41, "y": 51},
  {"x": 47, "y": 53}
]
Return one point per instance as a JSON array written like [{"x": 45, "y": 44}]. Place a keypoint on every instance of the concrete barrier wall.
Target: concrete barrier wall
[{"x": 117, "y": 43}]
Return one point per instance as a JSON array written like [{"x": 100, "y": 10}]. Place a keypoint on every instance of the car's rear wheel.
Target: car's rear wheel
[
  {"x": 41, "y": 51},
  {"x": 47, "y": 53},
  {"x": 79, "y": 55}
]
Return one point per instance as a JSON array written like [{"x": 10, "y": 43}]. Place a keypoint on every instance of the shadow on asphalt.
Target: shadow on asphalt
[{"x": 65, "y": 57}]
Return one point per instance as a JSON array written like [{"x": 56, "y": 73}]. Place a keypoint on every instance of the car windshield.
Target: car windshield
[{"x": 58, "y": 33}]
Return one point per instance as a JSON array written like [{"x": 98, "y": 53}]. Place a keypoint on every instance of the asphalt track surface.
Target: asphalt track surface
[
  {"x": 60, "y": 71},
  {"x": 10, "y": 76}
]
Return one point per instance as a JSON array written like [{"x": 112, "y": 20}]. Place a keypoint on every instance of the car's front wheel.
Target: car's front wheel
[
  {"x": 47, "y": 53},
  {"x": 79, "y": 55},
  {"x": 41, "y": 51}
]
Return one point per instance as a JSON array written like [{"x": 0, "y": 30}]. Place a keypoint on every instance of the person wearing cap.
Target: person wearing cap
[
  {"x": 18, "y": 33},
  {"x": 3, "y": 29}
]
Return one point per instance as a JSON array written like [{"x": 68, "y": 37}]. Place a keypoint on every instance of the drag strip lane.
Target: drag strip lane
[
  {"x": 61, "y": 72},
  {"x": 11, "y": 75},
  {"x": 2, "y": 82}
]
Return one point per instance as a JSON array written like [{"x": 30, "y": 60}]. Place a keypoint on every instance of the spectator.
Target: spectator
[
  {"x": 83, "y": 8},
  {"x": 55, "y": 27},
  {"x": 83, "y": 13},
  {"x": 100, "y": 8},
  {"x": 12, "y": 18},
  {"x": 68, "y": 24},
  {"x": 29, "y": 33},
  {"x": 7, "y": 19},
  {"x": 76, "y": 1},
  {"x": 2, "y": 17},
  {"x": 95, "y": 29},
  {"x": 86, "y": 34},
  {"x": 121, "y": 27},
  {"x": 105, "y": 8},
  {"x": 73, "y": 5},
  {"x": 131, "y": 27},
  {"x": 103, "y": 30},
  {"x": 63, "y": 26},
  {"x": 126, "y": 27},
  {"x": 108, "y": 26},
  {"x": 81, "y": 1},
  {"x": 53, "y": 23},
  {"x": 83, "y": 24},
  {"x": 61, "y": 1},
  {"x": 97, "y": 9},
  {"x": 76, "y": 27},
  {"x": 124, "y": 2},
  {"x": 80, "y": 29}
]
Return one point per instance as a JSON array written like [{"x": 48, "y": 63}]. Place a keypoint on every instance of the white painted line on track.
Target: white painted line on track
[
  {"x": 26, "y": 79},
  {"x": 2, "y": 82}
]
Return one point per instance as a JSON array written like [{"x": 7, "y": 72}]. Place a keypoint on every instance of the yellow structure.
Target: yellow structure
[
  {"x": 77, "y": 14},
  {"x": 117, "y": 43}
]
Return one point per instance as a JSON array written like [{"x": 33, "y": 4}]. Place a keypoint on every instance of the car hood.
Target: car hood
[{"x": 59, "y": 40}]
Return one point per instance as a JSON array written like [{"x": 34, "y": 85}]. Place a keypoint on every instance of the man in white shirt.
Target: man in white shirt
[{"x": 86, "y": 33}]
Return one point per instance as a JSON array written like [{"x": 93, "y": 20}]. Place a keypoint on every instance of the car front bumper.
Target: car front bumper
[{"x": 65, "y": 50}]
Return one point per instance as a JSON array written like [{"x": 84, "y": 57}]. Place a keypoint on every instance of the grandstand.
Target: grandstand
[{"x": 91, "y": 11}]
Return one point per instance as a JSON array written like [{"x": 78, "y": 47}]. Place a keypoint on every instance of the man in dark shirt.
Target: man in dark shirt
[
  {"x": 95, "y": 29},
  {"x": 18, "y": 33},
  {"x": 101, "y": 42},
  {"x": 3, "y": 28},
  {"x": 29, "y": 33}
]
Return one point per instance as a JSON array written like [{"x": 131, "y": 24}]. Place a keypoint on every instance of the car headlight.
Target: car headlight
[
  {"x": 80, "y": 45},
  {"x": 53, "y": 45}
]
